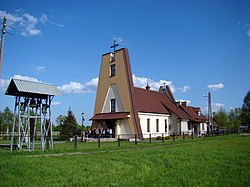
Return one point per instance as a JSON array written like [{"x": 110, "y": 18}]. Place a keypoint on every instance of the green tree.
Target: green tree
[
  {"x": 221, "y": 119},
  {"x": 234, "y": 117},
  {"x": 69, "y": 124},
  {"x": 245, "y": 116},
  {"x": 6, "y": 119}
]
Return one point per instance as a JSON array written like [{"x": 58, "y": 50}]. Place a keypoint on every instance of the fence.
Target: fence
[{"x": 99, "y": 140}]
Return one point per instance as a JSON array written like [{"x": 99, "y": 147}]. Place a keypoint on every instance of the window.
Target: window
[
  {"x": 157, "y": 125},
  {"x": 190, "y": 126},
  {"x": 112, "y": 57},
  {"x": 203, "y": 128},
  {"x": 113, "y": 103},
  {"x": 112, "y": 70},
  {"x": 148, "y": 125},
  {"x": 166, "y": 125}
]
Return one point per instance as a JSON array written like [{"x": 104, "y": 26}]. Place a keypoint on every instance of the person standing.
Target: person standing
[{"x": 110, "y": 133}]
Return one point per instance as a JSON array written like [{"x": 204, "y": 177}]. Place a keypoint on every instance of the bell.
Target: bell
[
  {"x": 44, "y": 109},
  {"x": 33, "y": 103},
  {"x": 22, "y": 106}
]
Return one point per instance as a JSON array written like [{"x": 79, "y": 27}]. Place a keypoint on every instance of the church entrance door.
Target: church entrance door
[{"x": 111, "y": 125}]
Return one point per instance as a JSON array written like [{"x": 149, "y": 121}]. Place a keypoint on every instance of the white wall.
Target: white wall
[
  {"x": 153, "y": 117},
  {"x": 203, "y": 131},
  {"x": 184, "y": 127},
  {"x": 122, "y": 129}
]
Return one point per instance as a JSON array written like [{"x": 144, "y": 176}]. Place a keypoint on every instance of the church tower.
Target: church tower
[{"x": 115, "y": 105}]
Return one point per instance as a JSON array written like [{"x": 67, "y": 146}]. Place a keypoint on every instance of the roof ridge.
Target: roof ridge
[
  {"x": 40, "y": 82},
  {"x": 148, "y": 90}
]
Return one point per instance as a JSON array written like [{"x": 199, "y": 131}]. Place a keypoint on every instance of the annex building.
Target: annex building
[{"x": 129, "y": 110}]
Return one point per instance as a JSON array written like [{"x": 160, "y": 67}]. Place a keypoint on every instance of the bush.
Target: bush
[
  {"x": 168, "y": 137},
  {"x": 158, "y": 138}
]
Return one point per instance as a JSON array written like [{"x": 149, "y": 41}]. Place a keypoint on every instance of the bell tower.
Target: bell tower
[{"x": 115, "y": 97}]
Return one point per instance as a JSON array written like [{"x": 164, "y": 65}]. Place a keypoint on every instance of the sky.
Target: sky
[{"x": 194, "y": 46}]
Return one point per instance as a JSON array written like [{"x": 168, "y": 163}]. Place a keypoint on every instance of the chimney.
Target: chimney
[
  {"x": 184, "y": 103},
  {"x": 178, "y": 103}
]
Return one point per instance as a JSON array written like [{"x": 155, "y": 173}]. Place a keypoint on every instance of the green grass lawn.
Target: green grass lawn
[{"x": 213, "y": 161}]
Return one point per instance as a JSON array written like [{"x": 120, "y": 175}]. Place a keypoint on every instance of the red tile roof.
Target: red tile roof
[
  {"x": 106, "y": 116},
  {"x": 193, "y": 113},
  {"x": 157, "y": 102}
]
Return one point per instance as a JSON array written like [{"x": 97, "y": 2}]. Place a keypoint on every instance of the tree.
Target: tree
[
  {"x": 234, "y": 117},
  {"x": 246, "y": 102},
  {"x": 6, "y": 119},
  {"x": 69, "y": 124},
  {"x": 221, "y": 119},
  {"x": 245, "y": 116}
]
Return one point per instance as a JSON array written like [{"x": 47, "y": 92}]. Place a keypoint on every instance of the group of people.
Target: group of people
[{"x": 99, "y": 132}]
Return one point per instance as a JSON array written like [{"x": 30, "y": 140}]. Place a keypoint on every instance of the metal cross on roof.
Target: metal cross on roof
[{"x": 114, "y": 46}]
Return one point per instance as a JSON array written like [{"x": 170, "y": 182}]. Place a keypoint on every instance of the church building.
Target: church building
[{"x": 129, "y": 110}]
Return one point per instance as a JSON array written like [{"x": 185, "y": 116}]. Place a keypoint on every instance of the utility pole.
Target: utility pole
[
  {"x": 209, "y": 114},
  {"x": 1, "y": 45}
]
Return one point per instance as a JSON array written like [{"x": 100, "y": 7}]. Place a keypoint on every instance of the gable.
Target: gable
[
  {"x": 112, "y": 94},
  {"x": 157, "y": 102}
]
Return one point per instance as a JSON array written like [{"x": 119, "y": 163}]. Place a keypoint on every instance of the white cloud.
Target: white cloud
[
  {"x": 56, "y": 103},
  {"x": 5, "y": 82},
  {"x": 248, "y": 32},
  {"x": 217, "y": 106},
  {"x": 43, "y": 19},
  {"x": 141, "y": 82},
  {"x": 246, "y": 25},
  {"x": 56, "y": 24},
  {"x": 119, "y": 40},
  {"x": 184, "y": 88},
  {"x": 22, "y": 21},
  {"x": 79, "y": 88},
  {"x": 25, "y": 22},
  {"x": 91, "y": 86},
  {"x": 30, "y": 23},
  {"x": 215, "y": 86},
  {"x": 39, "y": 69},
  {"x": 26, "y": 78}
]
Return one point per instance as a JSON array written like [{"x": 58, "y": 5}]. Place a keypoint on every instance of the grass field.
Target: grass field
[{"x": 213, "y": 161}]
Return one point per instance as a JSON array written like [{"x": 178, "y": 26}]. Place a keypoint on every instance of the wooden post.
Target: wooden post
[
  {"x": 99, "y": 141},
  {"x": 183, "y": 136},
  {"x": 119, "y": 144},
  {"x": 135, "y": 139},
  {"x": 150, "y": 138},
  {"x": 75, "y": 142},
  {"x": 173, "y": 137},
  {"x": 162, "y": 138}
]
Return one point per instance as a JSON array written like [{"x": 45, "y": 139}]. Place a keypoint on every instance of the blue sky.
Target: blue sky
[{"x": 193, "y": 46}]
